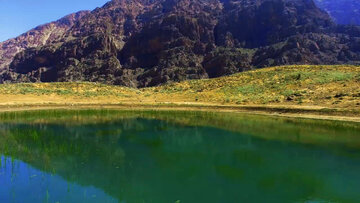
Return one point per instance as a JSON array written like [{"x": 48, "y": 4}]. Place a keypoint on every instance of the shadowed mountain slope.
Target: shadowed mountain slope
[
  {"x": 343, "y": 11},
  {"x": 141, "y": 43},
  {"x": 37, "y": 37}
]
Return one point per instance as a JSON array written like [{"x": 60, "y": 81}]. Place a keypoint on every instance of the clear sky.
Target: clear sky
[{"x": 19, "y": 16}]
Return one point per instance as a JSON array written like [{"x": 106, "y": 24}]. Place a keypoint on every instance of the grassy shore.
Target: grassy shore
[{"x": 298, "y": 90}]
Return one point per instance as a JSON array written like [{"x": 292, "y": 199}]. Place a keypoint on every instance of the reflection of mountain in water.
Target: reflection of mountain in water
[{"x": 135, "y": 159}]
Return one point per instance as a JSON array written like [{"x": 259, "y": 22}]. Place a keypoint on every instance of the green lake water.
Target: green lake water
[{"x": 182, "y": 157}]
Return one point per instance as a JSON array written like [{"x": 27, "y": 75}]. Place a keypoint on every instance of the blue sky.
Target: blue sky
[{"x": 19, "y": 16}]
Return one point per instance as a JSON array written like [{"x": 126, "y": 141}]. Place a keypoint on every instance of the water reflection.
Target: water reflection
[
  {"x": 22, "y": 183},
  {"x": 166, "y": 157}
]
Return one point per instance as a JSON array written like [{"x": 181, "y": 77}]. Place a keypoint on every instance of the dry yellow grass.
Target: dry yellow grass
[{"x": 310, "y": 86}]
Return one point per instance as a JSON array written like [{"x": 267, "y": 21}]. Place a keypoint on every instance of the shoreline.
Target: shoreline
[{"x": 313, "y": 112}]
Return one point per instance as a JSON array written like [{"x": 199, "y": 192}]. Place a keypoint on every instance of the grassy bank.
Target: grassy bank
[{"x": 310, "y": 88}]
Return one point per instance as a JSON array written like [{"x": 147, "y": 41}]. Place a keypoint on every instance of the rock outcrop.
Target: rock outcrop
[
  {"x": 141, "y": 43},
  {"x": 39, "y": 36}
]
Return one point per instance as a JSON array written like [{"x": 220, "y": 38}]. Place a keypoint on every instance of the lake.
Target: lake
[{"x": 176, "y": 157}]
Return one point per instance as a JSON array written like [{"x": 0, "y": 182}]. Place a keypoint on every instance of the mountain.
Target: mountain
[
  {"x": 141, "y": 43},
  {"x": 39, "y": 36},
  {"x": 343, "y": 11}
]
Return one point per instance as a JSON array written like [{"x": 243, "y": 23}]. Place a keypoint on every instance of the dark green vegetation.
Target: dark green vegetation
[
  {"x": 137, "y": 156},
  {"x": 142, "y": 43}
]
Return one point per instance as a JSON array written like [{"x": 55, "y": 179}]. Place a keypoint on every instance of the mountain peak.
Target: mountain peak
[
  {"x": 39, "y": 36},
  {"x": 149, "y": 42}
]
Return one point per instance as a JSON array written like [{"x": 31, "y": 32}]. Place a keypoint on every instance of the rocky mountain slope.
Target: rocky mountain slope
[
  {"x": 39, "y": 36},
  {"x": 343, "y": 11},
  {"x": 142, "y": 43}
]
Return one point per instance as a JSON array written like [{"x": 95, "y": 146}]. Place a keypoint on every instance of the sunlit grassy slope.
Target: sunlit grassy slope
[{"x": 327, "y": 86}]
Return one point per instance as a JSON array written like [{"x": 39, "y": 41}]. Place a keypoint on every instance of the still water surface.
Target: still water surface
[{"x": 124, "y": 156}]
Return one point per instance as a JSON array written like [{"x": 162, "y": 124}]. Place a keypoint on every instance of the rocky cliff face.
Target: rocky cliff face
[
  {"x": 39, "y": 36},
  {"x": 142, "y": 43},
  {"x": 344, "y": 12}
]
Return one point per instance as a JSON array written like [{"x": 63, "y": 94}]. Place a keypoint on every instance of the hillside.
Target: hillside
[
  {"x": 37, "y": 37},
  {"x": 285, "y": 86},
  {"x": 143, "y": 43},
  {"x": 343, "y": 11}
]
